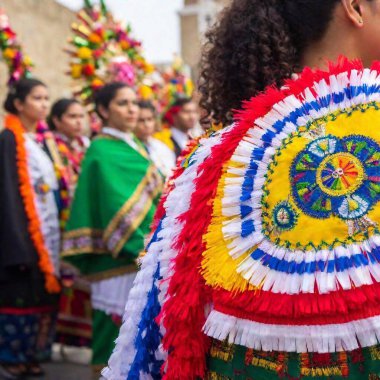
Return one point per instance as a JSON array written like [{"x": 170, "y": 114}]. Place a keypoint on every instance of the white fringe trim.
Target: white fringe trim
[
  {"x": 124, "y": 352},
  {"x": 290, "y": 338}
]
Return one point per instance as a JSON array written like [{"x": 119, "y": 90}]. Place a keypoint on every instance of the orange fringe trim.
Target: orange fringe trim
[{"x": 51, "y": 282}]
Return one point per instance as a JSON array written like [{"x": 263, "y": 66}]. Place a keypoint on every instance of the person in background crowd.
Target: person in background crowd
[
  {"x": 113, "y": 207},
  {"x": 160, "y": 154},
  {"x": 181, "y": 118},
  {"x": 67, "y": 145},
  {"x": 29, "y": 234}
]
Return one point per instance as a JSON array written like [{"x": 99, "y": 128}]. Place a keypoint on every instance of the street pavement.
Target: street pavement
[
  {"x": 69, "y": 364},
  {"x": 67, "y": 371}
]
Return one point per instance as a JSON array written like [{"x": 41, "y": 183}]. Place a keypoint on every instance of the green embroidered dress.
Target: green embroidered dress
[{"x": 113, "y": 208}]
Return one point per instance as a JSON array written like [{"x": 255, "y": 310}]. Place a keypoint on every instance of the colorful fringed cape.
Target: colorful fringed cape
[{"x": 269, "y": 241}]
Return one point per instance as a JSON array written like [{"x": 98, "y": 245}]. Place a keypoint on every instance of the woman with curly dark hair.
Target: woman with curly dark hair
[
  {"x": 260, "y": 43},
  {"x": 265, "y": 261}
]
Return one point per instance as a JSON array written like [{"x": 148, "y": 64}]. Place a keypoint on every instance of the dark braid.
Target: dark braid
[{"x": 254, "y": 44}]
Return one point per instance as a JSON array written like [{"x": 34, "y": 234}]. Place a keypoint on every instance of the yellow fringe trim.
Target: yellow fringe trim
[{"x": 218, "y": 267}]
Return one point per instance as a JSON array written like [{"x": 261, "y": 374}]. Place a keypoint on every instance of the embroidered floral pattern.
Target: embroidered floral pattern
[
  {"x": 251, "y": 364},
  {"x": 339, "y": 177},
  {"x": 85, "y": 240}
]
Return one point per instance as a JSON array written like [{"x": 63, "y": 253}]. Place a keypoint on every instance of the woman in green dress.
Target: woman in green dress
[{"x": 113, "y": 208}]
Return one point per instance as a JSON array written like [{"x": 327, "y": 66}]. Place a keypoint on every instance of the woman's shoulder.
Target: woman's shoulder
[
  {"x": 104, "y": 150},
  {"x": 208, "y": 141},
  {"x": 98, "y": 145},
  {"x": 198, "y": 153},
  {"x": 7, "y": 136},
  {"x": 7, "y": 141}
]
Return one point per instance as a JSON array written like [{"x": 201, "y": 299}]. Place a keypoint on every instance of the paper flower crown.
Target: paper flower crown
[
  {"x": 103, "y": 51},
  {"x": 19, "y": 64},
  {"x": 176, "y": 83}
]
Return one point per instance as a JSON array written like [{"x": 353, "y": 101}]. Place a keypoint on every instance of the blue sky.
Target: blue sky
[{"x": 154, "y": 22}]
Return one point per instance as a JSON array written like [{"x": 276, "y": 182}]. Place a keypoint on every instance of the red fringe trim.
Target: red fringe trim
[
  {"x": 260, "y": 105},
  {"x": 183, "y": 314},
  {"x": 13, "y": 124},
  {"x": 260, "y": 304},
  {"x": 304, "y": 321}
]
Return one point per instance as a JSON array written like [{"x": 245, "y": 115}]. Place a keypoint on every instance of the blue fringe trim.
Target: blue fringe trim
[
  {"x": 148, "y": 336},
  {"x": 339, "y": 264}
]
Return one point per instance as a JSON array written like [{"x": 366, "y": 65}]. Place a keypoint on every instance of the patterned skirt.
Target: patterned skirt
[
  {"x": 232, "y": 362},
  {"x": 26, "y": 338}
]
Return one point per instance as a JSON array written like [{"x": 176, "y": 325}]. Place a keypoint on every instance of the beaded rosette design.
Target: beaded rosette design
[{"x": 269, "y": 238}]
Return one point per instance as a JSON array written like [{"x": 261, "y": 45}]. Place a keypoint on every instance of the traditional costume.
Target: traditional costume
[
  {"x": 265, "y": 260},
  {"x": 67, "y": 157},
  {"x": 74, "y": 322},
  {"x": 111, "y": 214},
  {"x": 29, "y": 246}
]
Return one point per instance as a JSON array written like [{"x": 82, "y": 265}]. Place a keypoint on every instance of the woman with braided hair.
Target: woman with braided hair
[{"x": 265, "y": 261}]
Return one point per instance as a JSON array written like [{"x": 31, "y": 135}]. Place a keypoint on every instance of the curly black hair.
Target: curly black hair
[{"x": 254, "y": 44}]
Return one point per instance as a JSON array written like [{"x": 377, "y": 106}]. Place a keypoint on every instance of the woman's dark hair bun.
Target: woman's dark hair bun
[{"x": 20, "y": 90}]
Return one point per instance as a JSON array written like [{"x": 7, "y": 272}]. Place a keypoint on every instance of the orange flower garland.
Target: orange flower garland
[{"x": 51, "y": 282}]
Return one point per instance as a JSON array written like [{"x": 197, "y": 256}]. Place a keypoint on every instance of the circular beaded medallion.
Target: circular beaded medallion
[
  {"x": 328, "y": 173},
  {"x": 337, "y": 177}
]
